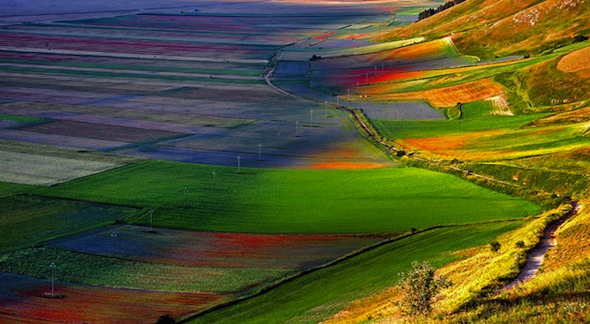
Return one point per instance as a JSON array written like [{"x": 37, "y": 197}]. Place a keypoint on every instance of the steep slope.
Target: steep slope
[{"x": 489, "y": 29}]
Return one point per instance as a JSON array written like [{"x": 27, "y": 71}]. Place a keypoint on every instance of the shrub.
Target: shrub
[
  {"x": 166, "y": 319},
  {"x": 495, "y": 246},
  {"x": 421, "y": 287}
]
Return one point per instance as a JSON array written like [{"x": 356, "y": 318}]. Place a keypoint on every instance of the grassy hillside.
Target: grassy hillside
[{"x": 499, "y": 28}]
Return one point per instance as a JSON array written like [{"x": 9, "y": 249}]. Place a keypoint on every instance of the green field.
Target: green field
[
  {"x": 389, "y": 200},
  {"x": 316, "y": 296},
  {"x": 398, "y": 129},
  {"x": 30, "y": 220},
  {"x": 114, "y": 272}
]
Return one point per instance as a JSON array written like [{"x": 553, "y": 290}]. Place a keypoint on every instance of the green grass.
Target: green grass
[
  {"x": 9, "y": 189},
  {"x": 295, "y": 201},
  {"x": 398, "y": 129},
  {"x": 477, "y": 109},
  {"x": 21, "y": 119},
  {"x": 316, "y": 296},
  {"x": 562, "y": 182},
  {"x": 119, "y": 273},
  {"x": 29, "y": 220}
]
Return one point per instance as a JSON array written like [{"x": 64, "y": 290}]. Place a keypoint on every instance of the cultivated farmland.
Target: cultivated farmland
[
  {"x": 251, "y": 161},
  {"x": 295, "y": 201}
]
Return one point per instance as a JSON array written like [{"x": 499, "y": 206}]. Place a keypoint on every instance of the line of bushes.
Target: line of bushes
[{"x": 431, "y": 11}]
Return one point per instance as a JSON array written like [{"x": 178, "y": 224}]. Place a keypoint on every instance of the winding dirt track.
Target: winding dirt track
[{"x": 537, "y": 255}]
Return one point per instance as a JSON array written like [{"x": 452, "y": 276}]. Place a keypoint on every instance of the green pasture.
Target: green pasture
[
  {"x": 398, "y": 129},
  {"x": 30, "y": 220},
  {"x": 113, "y": 272},
  {"x": 314, "y": 297},
  {"x": 566, "y": 182},
  {"x": 9, "y": 188},
  {"x": 388, "y": 200},
  {"x": 540, "y": 139}
]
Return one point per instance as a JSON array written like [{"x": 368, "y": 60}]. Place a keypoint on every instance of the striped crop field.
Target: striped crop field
[
  {"x": 22, "y": 298},
  {"x": 215, "y": 249}
]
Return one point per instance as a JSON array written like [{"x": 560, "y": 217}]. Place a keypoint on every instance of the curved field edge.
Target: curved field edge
[
  {"x": 319, "y": 294},
  {"x": 294, "y": 201}
]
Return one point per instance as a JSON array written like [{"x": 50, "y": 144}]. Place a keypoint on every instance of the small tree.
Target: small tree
[
  {"x": 421, "y": 287},
  {"x": 495, "y": 246},
  {"x": 166, "y": 319}
]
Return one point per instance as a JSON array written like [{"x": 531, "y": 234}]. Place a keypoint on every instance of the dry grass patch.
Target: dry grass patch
[
  {"x": 35, "y": 169},
  {"x": 576, "y": 62},
  {"x": 45, "y": 165},
  {"x": 501, "y": 106}
]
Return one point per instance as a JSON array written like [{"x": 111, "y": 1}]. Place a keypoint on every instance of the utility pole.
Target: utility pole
[
  {"x": 52, "y": 266},
  {"x": 151, "y": 211},
  {"x": 184, "y": 192},
  {"x": 114, "y": 237}
]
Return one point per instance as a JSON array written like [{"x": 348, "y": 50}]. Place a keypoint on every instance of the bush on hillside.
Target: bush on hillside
[{"x": 421, "y": 287}]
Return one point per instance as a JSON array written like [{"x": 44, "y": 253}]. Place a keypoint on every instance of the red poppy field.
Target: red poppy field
[
  {"x": 24, "y": 299},
  {"x": 230, "y": 250}
]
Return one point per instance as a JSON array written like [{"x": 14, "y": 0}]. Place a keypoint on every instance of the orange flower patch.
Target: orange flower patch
[
  {"x": 452, "y": 145},
  {"x": 437, "y": 144},
  {"x": 450, "y": 96}
]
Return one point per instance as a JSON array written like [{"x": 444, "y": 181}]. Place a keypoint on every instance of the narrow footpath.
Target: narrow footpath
[{"x": 537, "y": 255}]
